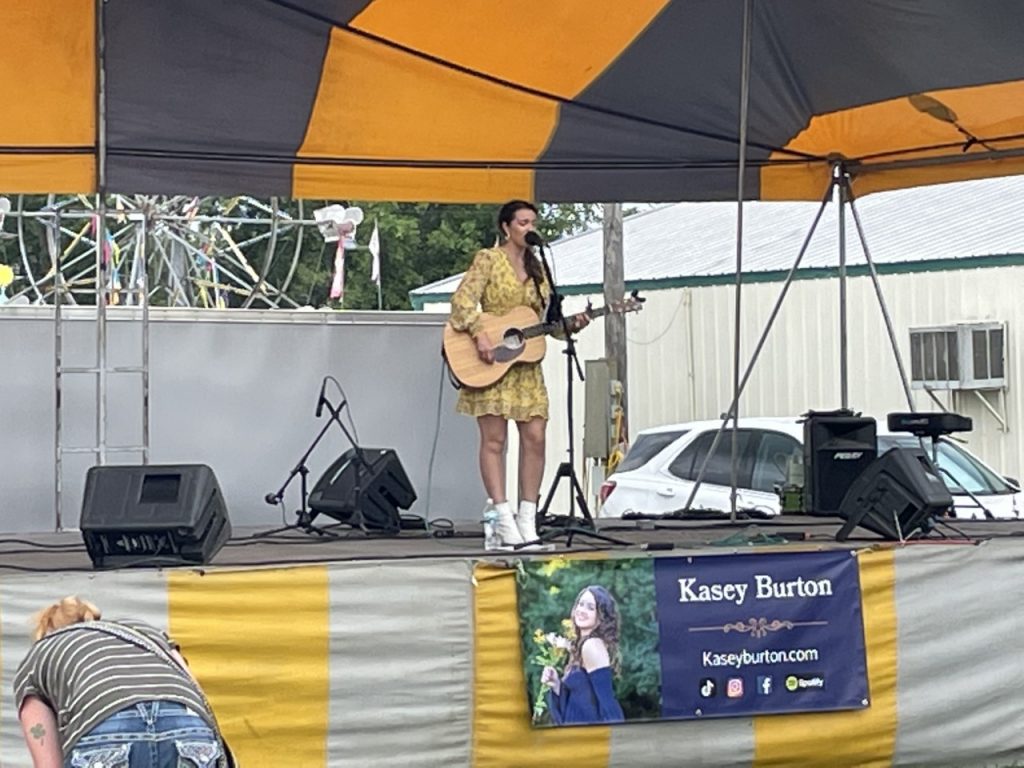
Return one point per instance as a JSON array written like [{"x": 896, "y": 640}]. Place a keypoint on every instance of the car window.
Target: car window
[
  {"x": 682, "y": 465},
  {"x": 688, "y": 463},
  {"x": 959, "y": 469},
  {"x": 775, "y": 452},
  {"x": 646, "y": 447}
]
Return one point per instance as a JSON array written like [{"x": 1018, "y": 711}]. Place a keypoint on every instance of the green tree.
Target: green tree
[
  {"x": 424, "y": 242},
  {"x": 564, "y": 219}
]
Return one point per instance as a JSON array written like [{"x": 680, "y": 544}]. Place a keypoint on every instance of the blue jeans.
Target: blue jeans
[{"x": 153, "y": 734}]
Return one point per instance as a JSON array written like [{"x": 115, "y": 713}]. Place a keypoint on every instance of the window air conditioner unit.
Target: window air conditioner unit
[{"x": 961, "y": 356}]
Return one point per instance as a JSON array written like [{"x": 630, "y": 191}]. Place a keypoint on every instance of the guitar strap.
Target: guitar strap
[
  {"x": 544, "y": 305},
  {"x": 456, "y": 384}
]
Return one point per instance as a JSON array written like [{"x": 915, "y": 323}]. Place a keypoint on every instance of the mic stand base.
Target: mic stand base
[
  {"x": 304, "y": 523},
  {"x": 570, "y": 529}
]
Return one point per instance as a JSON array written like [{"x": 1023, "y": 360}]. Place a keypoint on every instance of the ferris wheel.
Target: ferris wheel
[{"x": 181, "y": 251}]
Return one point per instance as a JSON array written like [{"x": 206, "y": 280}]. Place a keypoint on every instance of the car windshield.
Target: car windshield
[
  {"x": 960, "y": 470},
  {"x": 646, "y": 447}
]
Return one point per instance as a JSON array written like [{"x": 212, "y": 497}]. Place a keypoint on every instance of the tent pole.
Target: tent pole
[
  {"x": 841, "y": 179},
  {"x": 881, "y": 303},
  {"x": 103, "y": 266},
  {"x": 759, "y": 346},
  {"x": 734, "y": 411},
  {"x": 101, "y": 99}
]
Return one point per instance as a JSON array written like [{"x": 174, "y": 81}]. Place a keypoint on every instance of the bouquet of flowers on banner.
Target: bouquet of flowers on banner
[{"x": 552, "y": 651}]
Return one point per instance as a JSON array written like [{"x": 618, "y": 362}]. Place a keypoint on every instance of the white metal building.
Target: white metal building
[{"x": 950, "y": 261}]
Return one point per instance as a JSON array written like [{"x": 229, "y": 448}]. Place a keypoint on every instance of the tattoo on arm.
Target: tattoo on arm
[{"x": 38, "y": 733}]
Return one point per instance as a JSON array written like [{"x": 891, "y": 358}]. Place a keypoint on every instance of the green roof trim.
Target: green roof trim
[{"x": 776, "y": 276}]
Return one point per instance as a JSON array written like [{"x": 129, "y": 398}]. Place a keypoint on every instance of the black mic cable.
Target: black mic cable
[{"x": 320, "y": 400}]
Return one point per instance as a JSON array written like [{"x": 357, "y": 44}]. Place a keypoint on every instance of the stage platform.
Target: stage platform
[
  {"x": 261, "y": 547},
  {"x": 404, "y": 651}
]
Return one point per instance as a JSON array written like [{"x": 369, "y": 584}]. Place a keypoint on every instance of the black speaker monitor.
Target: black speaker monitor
[
  {"x": 153, "y": 515},
  {"x": 929, "y": 424},
  {"x": 838, "y": 447},
  {"x": 896, "y": 496},
  {"x": 366, "y": 492}
]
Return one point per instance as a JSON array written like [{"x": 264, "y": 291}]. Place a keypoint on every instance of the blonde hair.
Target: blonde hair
[{"x": 71, "y": 610}]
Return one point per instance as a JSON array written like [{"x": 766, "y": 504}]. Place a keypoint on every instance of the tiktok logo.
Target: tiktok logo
[{"x": 708, "y": 688}]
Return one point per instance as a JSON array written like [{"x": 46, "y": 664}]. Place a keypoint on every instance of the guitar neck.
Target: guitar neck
[{"x": 540, "y": 329}]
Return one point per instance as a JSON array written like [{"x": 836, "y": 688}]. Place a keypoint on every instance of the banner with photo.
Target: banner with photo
[{"x": 634, "y": 639}]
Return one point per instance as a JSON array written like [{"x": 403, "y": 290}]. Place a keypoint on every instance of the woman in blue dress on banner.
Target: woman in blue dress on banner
[{"x": 584, "y": 694}]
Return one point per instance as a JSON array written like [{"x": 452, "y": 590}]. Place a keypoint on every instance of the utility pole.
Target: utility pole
[{"x": 615, "y": 290}]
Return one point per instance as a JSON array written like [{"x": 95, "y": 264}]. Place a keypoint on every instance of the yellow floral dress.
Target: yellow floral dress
[{"x": 491, "y": 285}]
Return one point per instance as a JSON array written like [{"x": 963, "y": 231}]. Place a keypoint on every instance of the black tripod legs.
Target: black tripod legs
[
  {"x": 571, "y": 528},
  {"x": 565, "y": 470}
]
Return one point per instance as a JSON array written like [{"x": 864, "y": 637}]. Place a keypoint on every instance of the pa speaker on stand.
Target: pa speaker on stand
[{"x": 838, "y": 447}]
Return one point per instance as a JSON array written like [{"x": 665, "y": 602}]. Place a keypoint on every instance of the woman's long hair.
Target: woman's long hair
[
  {"x": 607, "y": 628},
  {"x": 531, "y": 263},
  {"x": 70, "y": 610}
]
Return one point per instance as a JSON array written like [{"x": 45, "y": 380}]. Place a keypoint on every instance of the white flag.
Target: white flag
[{"x": 374, "y": 248}]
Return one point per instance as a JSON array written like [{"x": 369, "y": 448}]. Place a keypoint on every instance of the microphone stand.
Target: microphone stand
[
  {"x": 567, "y": 469},
  {"x": 356, "y": 519},
  {"x": 304, "y": 514}
]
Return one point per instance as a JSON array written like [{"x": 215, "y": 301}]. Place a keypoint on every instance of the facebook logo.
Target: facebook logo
[{"x": 764, "y": 684}]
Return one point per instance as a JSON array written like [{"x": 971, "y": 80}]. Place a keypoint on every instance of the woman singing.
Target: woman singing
[
  {"x": 500, "y": 279},
  {"x": 584, "y": 694}
]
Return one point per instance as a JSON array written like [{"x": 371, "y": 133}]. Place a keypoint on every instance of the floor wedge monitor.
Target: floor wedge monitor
[
  {"x": 896, "y": 497},
  {"x": 364, "y": 487},
  {"x": 153, "y": 515}
]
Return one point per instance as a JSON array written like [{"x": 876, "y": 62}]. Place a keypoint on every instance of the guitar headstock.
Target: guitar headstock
[{"x": 632, "y": 303}]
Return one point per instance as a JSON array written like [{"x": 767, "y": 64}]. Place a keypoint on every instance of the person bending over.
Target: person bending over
[{"x": 116, "y": 694}]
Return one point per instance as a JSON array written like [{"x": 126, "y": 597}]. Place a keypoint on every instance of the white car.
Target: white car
[{"x": 656, "y": 476}]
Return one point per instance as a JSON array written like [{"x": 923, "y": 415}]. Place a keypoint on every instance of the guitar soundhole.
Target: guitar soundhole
[{"x": 513, "y": 339}]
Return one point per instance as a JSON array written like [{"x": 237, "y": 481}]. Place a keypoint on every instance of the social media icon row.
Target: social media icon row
[{"x": 734, "y": 688}]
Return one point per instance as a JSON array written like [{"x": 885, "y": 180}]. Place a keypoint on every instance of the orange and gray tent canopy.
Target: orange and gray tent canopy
[{"x": 464, "y": 100}]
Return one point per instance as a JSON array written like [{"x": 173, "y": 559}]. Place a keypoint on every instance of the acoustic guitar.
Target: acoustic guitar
[{"x": 518, "y": 337}]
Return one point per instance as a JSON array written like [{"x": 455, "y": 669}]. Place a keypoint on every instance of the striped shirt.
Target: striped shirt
[{"x": 86, "y": 675}]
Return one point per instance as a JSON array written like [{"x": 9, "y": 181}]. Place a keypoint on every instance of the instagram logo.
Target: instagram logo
[{"x": 734, "y": 688}]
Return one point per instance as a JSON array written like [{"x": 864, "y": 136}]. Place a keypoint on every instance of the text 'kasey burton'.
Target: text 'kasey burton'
[{"x": 765, "y": 588}]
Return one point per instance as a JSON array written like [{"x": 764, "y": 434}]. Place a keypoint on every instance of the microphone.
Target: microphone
[
  {"x": 320, "y": 400},
  {"x": 532, "y": 238}
]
